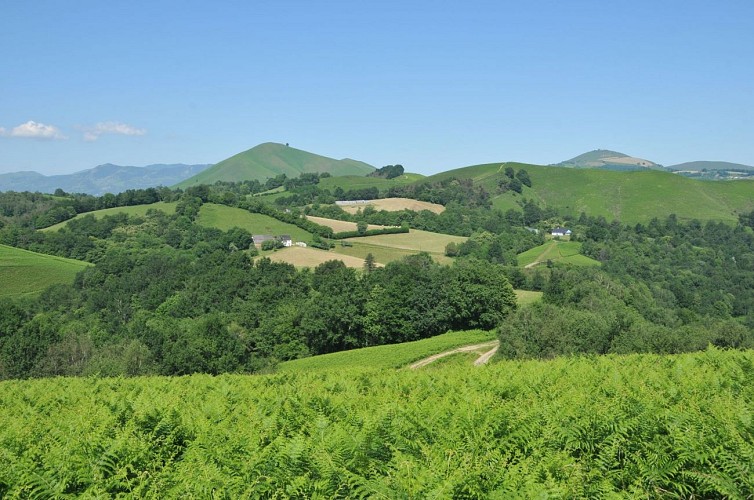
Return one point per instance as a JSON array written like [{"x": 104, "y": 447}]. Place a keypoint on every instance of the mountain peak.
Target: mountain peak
[{"x": 609, "y": 160}]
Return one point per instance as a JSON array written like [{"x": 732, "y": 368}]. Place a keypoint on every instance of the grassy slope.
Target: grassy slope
[
  {"x": 564, "y": 252},
  {"x": 311, "y": 257},
  {"x": 269, "y": 160},
  {"x": 388, "y": 247},
  {"x": 138, "y": 210},
  {"x": 223, "y": 217},
  {"x": 628, "y": 196},
  {"x": 28, "y": 273},
  {"x": 386, "y": 356}
]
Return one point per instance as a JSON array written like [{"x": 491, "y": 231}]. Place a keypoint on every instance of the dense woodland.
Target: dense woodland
[{"x": 169, "y": 296}]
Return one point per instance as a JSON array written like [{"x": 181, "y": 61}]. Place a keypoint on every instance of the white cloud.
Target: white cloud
[
  {"x": 93, "y": 133},
  {"x": 34, "y": 130}
]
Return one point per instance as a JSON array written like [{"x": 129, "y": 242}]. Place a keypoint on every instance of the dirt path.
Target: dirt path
[{"x": 486, "y": 351}]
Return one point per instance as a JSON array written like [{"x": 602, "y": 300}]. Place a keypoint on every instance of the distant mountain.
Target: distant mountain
[
  {"x": 609, "y": 160},
  {"x": 107, "y": 178},
  {"x": 697, "y": 166},
  {"x": 270, "y": 160}
]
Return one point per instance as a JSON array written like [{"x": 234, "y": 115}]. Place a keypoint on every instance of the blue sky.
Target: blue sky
[{"x": 430, "y": 85}]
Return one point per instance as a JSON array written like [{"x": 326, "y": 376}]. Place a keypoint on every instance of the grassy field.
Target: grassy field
[
  {"x": 394, "y": 205},
  {"x": 526, "y": 297},
  {"x": 386, "y": 356},
  {"x": 639, "y": 426},
  {"x": 348, "y": 182},
  {"x": 559, "y": 252},
  {"x": 339, "y": 225},
  {"x": 24, "y": 273},
  {"x": 627, "y": 196},
  {"x": 311, "y": 257},
  {"x": 135, "y": 210},
  {"x": 381, "y": 254},
  {"x": 223, "y": 217}
]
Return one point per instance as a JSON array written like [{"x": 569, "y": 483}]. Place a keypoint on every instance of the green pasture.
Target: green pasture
[
  {"x": 135, "y": 210},
  {"x": 224, "y": 217},
  {"x": 560, "y": 252},
  {"x": 24, "y": 273}
]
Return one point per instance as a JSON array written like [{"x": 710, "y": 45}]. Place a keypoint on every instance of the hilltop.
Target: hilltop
[
  {"x": 696, "y": 166},
  {"x": 107, "y": 178},
  {"x": 630, "y": 197},
  {"x": 272, "y": 159},
  {"x": 609, "y": 160}
]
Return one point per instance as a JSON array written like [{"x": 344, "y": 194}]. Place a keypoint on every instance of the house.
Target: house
[
  {"x": 301, "y": 244},
  {"x": 560, "y": 231},
  {"x": 285, "y": 240}
]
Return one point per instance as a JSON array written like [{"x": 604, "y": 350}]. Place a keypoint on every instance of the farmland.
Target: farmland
[
  {"x": 393, "y": 204},
  {"x": 339, "y": 225},
  {"x": 638, "y": 425},
  {"x": 564, "y": 252},
  {"x": 312, "y": 257},
  {"x": 25, "y": 273}
]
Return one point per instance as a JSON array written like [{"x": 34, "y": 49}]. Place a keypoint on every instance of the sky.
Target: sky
[{"x": 432, "y": 85}]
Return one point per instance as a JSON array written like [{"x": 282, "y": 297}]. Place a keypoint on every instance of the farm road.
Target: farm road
[{"x": 485, "y": 350}]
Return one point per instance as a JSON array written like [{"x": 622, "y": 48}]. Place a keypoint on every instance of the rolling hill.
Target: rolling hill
[
  {"x": 107, "y": 178},
  {"x": 270, "y": 160},
  {"x": 24, "y": 273},
  {"x": 696, "y": 166},
  {"x": 609, "y": 160},
  {"x": 630, "y": 197}
]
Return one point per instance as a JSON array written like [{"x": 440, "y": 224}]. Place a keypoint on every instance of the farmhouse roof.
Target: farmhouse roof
[{"x": 259, "y": 238}]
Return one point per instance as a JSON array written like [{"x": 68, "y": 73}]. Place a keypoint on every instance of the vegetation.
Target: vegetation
[
  {"x": 131, "y": 211},
  {"x": 225, "y": 218},
  {"x": 640, "y": 426},
  {"x": 24, "y": 273},
  {"x": 556, "y": 252}
]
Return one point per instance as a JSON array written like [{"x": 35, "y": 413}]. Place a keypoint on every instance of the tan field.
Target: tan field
[
  {"x": 312, "y": 257},
  {"x": 394, "y": 205},
  {"x": 339, "y": 225}
]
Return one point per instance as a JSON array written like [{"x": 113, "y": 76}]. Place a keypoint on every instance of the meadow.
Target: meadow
[
  {"x": 225, "y": 218},
  {"x": 563, "y": 252},
  {"x": 394, "y": 204},
  {"x": 24, "y": 273},
  {"x": 573, "y": 427},
  {"x": 339, "y": 226},
  {"x": 311, "y": 257},
  {"x": 133, "y": 210}
]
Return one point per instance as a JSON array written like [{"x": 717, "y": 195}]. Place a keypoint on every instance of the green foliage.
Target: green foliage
[
  {"x": 25, "y": 273},
  {"x": 638, "y": 426}
]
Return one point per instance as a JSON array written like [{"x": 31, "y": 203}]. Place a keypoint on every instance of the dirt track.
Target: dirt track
[{"x": 485, "y": 351}]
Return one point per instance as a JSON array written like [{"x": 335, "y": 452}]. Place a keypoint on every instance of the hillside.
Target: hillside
[
  {"x": 609, "y": 160},
  {"x": 133, "y": 210},
  {"x": 107, "y": 178},
  {"x": 695, "y": 166},
  {"x": 24, "y": 273},
  {"x": 627, "y": 196},
  {"x": 643, "y": 426},
  {"x": 270, "y": 160}
]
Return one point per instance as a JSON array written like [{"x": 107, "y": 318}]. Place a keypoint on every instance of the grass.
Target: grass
[
  {"x": 135, "y": 210},
  {"x": 389, "y": 247},
  {"x": 526, "y": 298},
  {"x": 386, "y": 356},
  {"x": 269, "y": 160},
  {"x": 381, "y": 254},
  {"x": 360, "y": 182},
  {"x": 25, "y": 273},
  {"x": 339, "y": 225},
  {"x": 312, "y": 257},
  {"x": 223, "y": 217},
  {"x": 560, "y": 252},
  {"x": 630, "y": 197}
]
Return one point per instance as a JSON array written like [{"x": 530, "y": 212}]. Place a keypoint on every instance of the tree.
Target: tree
[
  {"x": 361, "y": 227},
  {"x": 509, "y": 172},
  {"x": 369, "y": 264},
  {"x": 523, "y": 176}
]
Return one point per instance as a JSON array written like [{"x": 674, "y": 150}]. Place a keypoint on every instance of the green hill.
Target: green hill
[
  {"x": 630, "y": 197},
  {"x": 133, "y": 210},
  {"x": 225, "y": 218},
  {"x": 270, "y": 160},
  {"x": 696, "y": 166},
  {"x": 564, "y": 252},
  {"x": 25, "y": 273},
  {"x": 609, "y": 160}
]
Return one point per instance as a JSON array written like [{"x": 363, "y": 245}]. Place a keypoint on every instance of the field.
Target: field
[
  {"x": 24, "y": 273},
  {"x": 394, "y": 204},
  {"x": 311, "y": 257},
  {"x": 389, "y": 247},
  {"x": 223, "y": 217},
  {"x": 526, "y": 297},
  {"x": 386, "y": 356},
  {"x": 360, "y": 182},
  {"x": 560, "y": 252},
  {"x": 339, "y": 225},
  {"x": 640, "y": 426},
  {"x": 135, "y": 210},
  {"x": 627, "y": 196}
]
